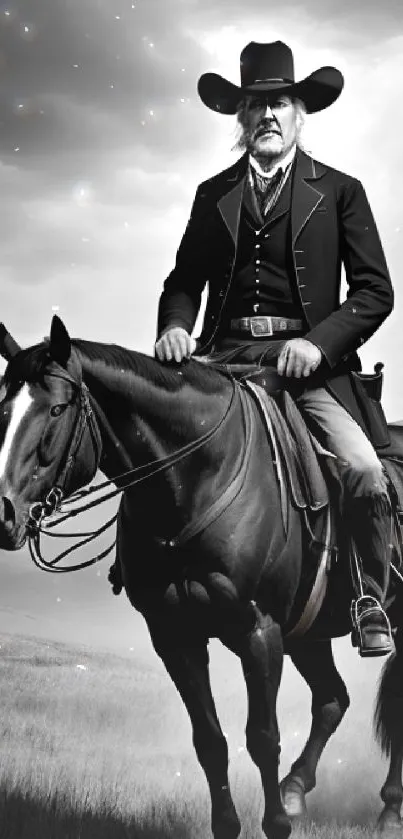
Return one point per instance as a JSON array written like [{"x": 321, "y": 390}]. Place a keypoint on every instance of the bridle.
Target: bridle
[{"x": 91, "y": 416}]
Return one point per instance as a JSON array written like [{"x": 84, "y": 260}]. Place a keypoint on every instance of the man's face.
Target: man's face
[{"x": 271, "y": 126}]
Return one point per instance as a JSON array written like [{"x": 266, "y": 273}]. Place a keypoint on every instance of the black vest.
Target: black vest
[{"x": 263, "y": 279}]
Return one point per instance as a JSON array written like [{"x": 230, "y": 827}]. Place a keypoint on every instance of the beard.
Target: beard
[
  {"x": 263, "y": 145},
  {"x": 253, "y": 141}
]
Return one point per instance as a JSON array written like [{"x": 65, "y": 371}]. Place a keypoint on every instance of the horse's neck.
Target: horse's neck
[
  {"x": 155, "y": 416},
  {"x": 149, "y": 420}
]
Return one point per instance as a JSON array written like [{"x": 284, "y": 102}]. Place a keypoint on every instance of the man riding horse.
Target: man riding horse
[{"x": 270, "y": 235}]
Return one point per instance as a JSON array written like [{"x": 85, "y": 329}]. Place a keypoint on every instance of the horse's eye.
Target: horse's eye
[{"x": 56, "y": 410}]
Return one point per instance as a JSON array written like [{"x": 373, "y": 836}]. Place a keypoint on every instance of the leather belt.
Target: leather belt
[{"x": 265, "y": 325}]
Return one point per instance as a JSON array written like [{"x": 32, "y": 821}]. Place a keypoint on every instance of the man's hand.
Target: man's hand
[
  {"x": 298, "y": 358},
  {"x": 175, "y": 344}
]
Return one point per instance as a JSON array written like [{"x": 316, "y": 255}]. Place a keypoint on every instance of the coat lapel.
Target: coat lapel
[
  {"x": 230, "y": 202},
  {"x": 306, "y": 194}
]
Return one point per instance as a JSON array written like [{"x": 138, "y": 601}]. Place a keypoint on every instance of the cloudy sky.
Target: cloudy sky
[{"x": 103, "y": 141}]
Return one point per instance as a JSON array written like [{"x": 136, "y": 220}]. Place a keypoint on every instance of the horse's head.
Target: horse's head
[{"x": 48, "y": 436}]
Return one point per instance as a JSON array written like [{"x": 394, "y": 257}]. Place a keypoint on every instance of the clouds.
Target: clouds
[
  {"x": 91, "y": 77},
  {"x": 347, "y": 22}
]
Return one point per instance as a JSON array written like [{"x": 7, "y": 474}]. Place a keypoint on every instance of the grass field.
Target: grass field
[{"x": 95, "y": 746}]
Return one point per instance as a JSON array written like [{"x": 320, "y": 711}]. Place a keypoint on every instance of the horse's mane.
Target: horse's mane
[
  {"x": 201, "y": 376},
  {"x": 29, "y": 365}
]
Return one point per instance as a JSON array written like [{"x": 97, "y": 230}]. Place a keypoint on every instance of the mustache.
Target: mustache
[{"x": 264, "y": 127}]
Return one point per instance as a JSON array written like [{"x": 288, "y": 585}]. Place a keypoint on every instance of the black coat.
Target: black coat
[{"x": 331, "y": 225}]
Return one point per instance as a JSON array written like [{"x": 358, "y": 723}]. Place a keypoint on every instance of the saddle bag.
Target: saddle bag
[{"x": 368, "y": 393}]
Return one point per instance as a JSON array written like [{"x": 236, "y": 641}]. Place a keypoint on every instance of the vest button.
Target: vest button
[{"x": 258, "y": 262}]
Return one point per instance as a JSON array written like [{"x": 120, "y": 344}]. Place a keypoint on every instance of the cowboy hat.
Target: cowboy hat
[{"x": 269, "y": 68}]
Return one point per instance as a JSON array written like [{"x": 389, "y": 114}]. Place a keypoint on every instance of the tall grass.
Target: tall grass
[{"x": 96, "y": 747}]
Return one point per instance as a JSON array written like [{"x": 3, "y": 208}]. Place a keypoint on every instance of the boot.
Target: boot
[
  {"x": 372, "y": 631},
  {"x": 371, "y": 530}
]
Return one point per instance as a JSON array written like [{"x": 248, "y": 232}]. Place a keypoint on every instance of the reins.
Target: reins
[{"x": 91, "y": 415}]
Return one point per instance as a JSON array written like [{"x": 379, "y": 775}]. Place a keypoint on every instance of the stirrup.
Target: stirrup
[{"x": 372, "y": 632}]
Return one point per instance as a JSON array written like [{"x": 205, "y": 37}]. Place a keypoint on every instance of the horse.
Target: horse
[{"x": 202, "y": 547}]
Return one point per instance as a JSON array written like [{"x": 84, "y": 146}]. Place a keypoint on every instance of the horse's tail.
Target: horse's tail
[{"x": 388, "y": 717}]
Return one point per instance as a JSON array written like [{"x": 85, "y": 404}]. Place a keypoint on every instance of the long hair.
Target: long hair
[{"x": 242, "y": 125}]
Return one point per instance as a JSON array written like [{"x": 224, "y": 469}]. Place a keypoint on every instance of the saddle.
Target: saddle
[
  {"x": 309, "y": 466},
  {"x": 300, "y": 451},
  {"x": 308, "y": 475}
]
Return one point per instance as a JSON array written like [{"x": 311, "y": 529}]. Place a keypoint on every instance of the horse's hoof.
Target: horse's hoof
[
  {"x": 389, "y": 825},
  {"x": 293, "y": 798},
  {"x": 278, "y": 827},
  {"x": 228, "y": 828}
]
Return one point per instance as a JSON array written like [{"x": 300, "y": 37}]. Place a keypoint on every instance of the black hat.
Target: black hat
[{"x": 269, "y": 68}]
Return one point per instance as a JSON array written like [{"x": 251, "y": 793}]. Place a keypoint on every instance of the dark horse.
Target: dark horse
[{"x": 201, "y": 544}]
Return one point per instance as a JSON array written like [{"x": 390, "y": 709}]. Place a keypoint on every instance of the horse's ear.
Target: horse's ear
[
  {"x": 8, "y": 347},
  {"x": 59, "y": 343}
]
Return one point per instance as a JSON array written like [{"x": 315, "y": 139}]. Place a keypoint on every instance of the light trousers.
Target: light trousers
[{"x": 359, "y": 466}]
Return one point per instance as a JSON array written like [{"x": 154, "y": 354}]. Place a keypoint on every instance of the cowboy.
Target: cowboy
[{"x": 269, "y": 235}]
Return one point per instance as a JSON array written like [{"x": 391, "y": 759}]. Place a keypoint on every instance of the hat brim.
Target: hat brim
[{"x": 317, "y": 91}]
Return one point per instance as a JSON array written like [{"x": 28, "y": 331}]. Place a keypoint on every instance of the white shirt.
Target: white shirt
[{"x": 282, "y": 164}]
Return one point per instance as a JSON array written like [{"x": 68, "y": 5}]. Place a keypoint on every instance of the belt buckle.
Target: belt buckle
[{"x": 261, "y": 326}]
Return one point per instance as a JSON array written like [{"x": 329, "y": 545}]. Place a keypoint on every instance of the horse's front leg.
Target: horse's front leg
[
  {"x": 187, "y": 663},
  {"x": 261, "y": 654},
  {"x": 314, "y": 661}
]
